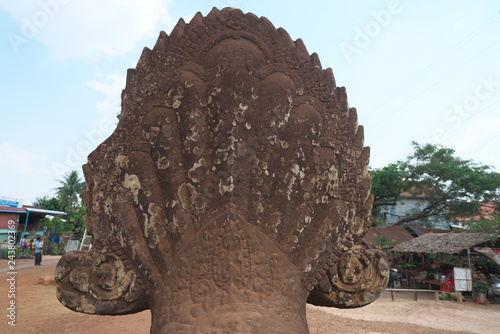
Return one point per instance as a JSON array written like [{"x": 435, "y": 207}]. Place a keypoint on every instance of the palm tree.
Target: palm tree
[{"x": 70, "y": 189}]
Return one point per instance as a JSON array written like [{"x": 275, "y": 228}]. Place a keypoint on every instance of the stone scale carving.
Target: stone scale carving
[{"x": 233, "y": 190}]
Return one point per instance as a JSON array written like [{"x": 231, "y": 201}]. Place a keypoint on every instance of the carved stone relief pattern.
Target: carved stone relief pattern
[{"x": 236, "y": 173}]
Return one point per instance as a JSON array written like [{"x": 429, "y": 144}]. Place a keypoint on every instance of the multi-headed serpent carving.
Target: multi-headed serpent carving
[{"x": 233, "y": 190}]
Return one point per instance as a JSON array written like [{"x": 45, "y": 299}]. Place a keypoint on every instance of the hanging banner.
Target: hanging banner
[{"x": 492, "y": 253}]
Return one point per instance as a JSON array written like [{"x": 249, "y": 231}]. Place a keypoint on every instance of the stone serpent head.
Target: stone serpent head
[{"x": 233, "y": 190}]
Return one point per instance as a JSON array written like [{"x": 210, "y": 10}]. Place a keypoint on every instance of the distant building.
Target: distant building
[
  {"x": 487, "y": 210},
  {"x": 407, "y": 204},
  {"x": 25, "y": 220}
]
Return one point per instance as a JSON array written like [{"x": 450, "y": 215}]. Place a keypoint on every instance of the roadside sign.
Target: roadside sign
[
  {"x": 463, "y": 279},
  {"x": 10, "y": 202}
]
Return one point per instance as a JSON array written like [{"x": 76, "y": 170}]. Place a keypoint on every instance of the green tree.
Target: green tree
[
  {"x": 387, "y": 183},
  {"x": 453, "y": 187},
  {"x": 491, "y": 225},
  {"x": 57, "y": 225},
  {"x": 72, "y": 222},
  {"x": 75, "y": 218},
  {"x": 69, "y": 191},
  {"x": 47, "y": 203}
]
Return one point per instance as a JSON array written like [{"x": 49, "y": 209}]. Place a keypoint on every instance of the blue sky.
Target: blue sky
[{"x": 415, "y": 70}]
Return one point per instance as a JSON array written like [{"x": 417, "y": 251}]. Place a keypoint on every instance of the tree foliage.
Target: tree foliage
[
  {"x": 47, "y": 203},
  {"x": 453, "y": 187},
  {"x": 75, "y": 218},
  {"x": 56, "y": 225},
  {"x": 68, "y": 200},
  {"x": 69, "y": 191},
  {"x": 72, "y": 222},
  {"x": 489, "y": 225},
  {"x": 386, "y": 185}
]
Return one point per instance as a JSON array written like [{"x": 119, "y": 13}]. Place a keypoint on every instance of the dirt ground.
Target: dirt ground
[{"x": 38, "y": 311}]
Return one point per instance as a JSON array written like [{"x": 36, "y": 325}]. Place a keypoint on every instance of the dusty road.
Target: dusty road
[{"x": 37, "y": 310}]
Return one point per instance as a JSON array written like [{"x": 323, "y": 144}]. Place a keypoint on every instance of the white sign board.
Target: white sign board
[
  {"x": 72, "y": 245},
  {"x": 463, "y": 279}
]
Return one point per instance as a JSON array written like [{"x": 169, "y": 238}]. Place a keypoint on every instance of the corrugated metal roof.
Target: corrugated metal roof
[
  {"x": 449, "y": 243},
  {"x": 49, "y": 212},
  {"x": 396, "y": 233}
]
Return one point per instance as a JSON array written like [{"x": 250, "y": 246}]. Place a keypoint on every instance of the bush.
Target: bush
[
  {"x": 49, "y": 248},
  {"x": 449, "y": 296},
  {"x": 4, "y": 254},
  {"x": 61, "y": 248},
  {"x": 480, "y": 283}
]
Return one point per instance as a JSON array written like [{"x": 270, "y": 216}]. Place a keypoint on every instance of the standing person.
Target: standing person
[
  {"x": 31, "y": 247},
  {"x": 38, "y": 251}
]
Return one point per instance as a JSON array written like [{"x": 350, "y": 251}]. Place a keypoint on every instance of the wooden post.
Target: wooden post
[{"x": 459, "y": 296}]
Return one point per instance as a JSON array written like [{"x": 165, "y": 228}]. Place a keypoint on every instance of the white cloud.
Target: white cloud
[
  {"x": 111, "y": 85},
  {"x": 20, "y": 160},
  {"x": 20, "y": 168},
  {"x": 87, "y": 29},
  {"x": 99, "y": 128},
  {"x": 478, "y": 133}
]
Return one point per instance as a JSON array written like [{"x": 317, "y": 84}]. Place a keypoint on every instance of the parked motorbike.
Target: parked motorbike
[{"x": 495, "y": 289}]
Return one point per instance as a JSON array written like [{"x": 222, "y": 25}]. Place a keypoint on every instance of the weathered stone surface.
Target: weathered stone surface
[{"x": 234, "y": 189}]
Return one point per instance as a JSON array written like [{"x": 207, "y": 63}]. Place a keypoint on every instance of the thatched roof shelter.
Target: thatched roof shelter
[
  {"x": 418, "y": 231},
  {"x": 449, "y": 243}
]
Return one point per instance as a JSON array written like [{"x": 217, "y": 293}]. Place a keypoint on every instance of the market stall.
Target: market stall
[{"x": 436, "y": 246}]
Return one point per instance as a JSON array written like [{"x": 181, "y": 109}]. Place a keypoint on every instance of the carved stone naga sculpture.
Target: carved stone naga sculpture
[{"x": 234, "y": 189}]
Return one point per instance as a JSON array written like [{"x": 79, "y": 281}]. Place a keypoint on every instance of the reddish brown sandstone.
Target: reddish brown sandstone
[{"x": 234, "y": 189}]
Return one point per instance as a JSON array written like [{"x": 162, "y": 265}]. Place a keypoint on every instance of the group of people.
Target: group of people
[{"x": 33, "y": 244}]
